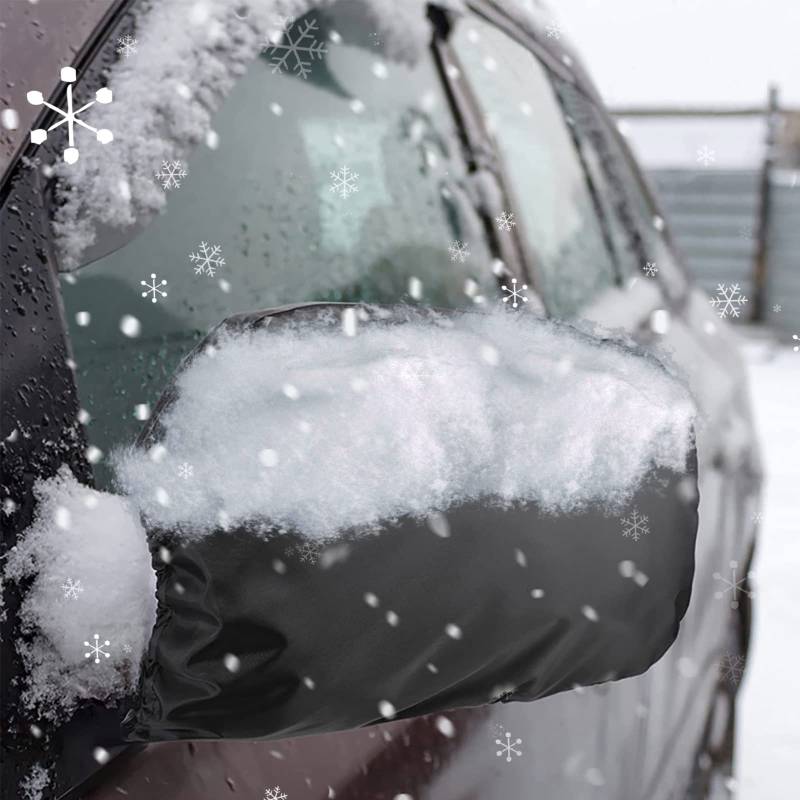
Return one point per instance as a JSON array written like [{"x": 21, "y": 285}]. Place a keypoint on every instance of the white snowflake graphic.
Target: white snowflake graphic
[
  {"x": 553, "y": 31},
  {"x": 297, "y": 42},
  {"x": 731, "y": 668},
  {"x": 777, "y": 308},
  {"x": 728, "y": 300},
  {"x": 70, "y": 116},
  {"x": 274, "y": 794},
  {"x": 71, "y": 588},
  {"x": 309, "y": 552},
  {"x": 126, "y": 45},
  {"x": 96, "y": 649},
  {"x": 185, "y": 471},
  {"x": 706, "y": 155},
  {"x": 459, "y": 251},
  {"x": 171, "y": 174},
  {"x": 505, "y": 222},
  {"x": 208, "y": 260},
  {"x": 515, "y": 294},
  {"x": 650, "y": 269},
  {"x": 153, "y": 288},
  {"x": 344, "y": 183},
  {"x": 507, "y": 747},
  {"x": 127, "y": 648},
  {"x": 634, "y": 526},
  {"x": 735, "y": 585}
]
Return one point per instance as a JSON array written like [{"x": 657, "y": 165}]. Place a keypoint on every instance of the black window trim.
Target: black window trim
[
  {"x": 495, "y": 14},
  {"x": 480, "y": 152},
  {"x": 555, "y": 71}
]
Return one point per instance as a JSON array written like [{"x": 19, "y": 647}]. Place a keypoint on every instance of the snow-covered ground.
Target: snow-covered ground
[{"x": 768, "y": 741}]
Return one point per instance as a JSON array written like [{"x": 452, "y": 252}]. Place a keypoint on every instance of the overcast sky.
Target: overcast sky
[{"x": 687, "y": 51}]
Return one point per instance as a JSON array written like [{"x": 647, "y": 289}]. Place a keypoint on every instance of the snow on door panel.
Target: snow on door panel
[
  {"x": 348, "y": 184},
  {"x": 553, "y": 204}
]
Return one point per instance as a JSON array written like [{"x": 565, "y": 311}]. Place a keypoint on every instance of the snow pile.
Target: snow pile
[
  {"x": 190, "y": 53},
  {"x": 87, "y": 556},
  {"x": 309, "y": 428},
  {"x": 35, "y": 782}
]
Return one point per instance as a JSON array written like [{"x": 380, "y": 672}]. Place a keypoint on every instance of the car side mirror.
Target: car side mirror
[{"x": 358, "y": 513}]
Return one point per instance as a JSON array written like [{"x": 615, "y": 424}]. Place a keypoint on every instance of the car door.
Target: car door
[
  {"x": 255, "y": 222},
  {"x": 417, "y": 200},
  {"x": 603, "y": 238}
]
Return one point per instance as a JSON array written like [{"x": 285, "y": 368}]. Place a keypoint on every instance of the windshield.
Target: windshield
[{"x": 346, "y": 183}]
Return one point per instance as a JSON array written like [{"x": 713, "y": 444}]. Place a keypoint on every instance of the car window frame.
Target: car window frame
[
  {"x": 554, "y": 70},
  {"x": 481, "y": 152}
]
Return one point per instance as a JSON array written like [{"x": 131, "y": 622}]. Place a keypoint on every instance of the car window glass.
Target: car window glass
[
  {"x": 553, "y": 204},
  {"x": 348, "y": 185},
  {"x": 636, "y": 229},
  {"x": 584, "y": 121}
]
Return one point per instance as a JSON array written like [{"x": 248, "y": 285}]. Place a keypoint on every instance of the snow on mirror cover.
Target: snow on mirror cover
[
  {"x": 322, "y": 432},
  {"x": 303, "y": 428}
]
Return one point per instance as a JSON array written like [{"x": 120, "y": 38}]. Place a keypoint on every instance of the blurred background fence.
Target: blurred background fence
[{"x": 736, "y": 220}]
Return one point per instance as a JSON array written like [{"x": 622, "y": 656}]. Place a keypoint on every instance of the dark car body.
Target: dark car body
[{"x": 662, "y": 735}]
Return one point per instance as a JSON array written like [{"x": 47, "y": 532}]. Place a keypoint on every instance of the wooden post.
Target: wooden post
[{"x": 764, "y": 209}]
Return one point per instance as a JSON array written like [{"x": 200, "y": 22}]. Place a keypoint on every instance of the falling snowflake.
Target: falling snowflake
[
  {"x": 208, "y": 260},
  {"x": 71, "y": 589},
  {"x": 745, "y": 232},
  {"x": 274, "y": 794},
  {"x": 344, "y": 182},
  {"x": 731, "y": 668},
  {"x": 185, "y": 471},
  {"x": 757, "y": 516},
  {"x": 508, "y": 747},
  {"x": 458, "y": 251},
  {"x": 734, "y": 585},
  {"x": 515, "y": 294},
  {"x": 797, "y": 339},
  {"x": 153, "y": 288},
  {"x": 553, "y": 31},
  {"x": 171, "y": 174},
  {"x": 650, "y": 269},
  {"x": 728, "y": 300},
  {"x": 505, "y": 222},
  {"x": 126, "y": 45},
  {"x": 127, "y": 648},
  {"x": 298, "y": 42},
  {"x": 706, "y": 155},
  {"x": 70, "y": 116},
  {"x": 634, "y": 526},
  {"x": 309, "y": 552},
  {"x": 96, "y": 649},
  {"x": 777, "y": 308}
]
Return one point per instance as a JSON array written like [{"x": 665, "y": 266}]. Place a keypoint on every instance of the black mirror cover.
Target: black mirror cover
[{"x": 275, "y": 636}]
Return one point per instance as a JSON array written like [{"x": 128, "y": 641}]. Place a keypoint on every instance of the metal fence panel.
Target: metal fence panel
[
  {"x": 783, "y": 253},
  {"x": 714, "y": 217}
]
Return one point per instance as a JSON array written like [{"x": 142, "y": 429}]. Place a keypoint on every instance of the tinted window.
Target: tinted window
[
  {"x": 270, "y": 197},
  {"x": 552, "y": 201}
]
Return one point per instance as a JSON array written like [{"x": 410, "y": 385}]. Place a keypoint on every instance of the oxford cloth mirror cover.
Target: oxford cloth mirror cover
[{"x": 265, "y": 630}]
